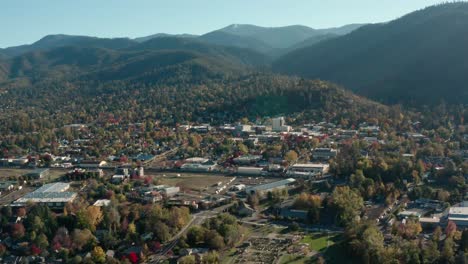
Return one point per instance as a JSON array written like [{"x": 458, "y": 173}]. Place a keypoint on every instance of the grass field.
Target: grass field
[
  {"x": 229, "y": 256},
  {"x": 320, "y": 241},
  {"x": 6, "y": 173},
  {"x": 293, "y": 259},
  {"x": 9, "y": 173},
  {"x": 189, "y": 181},
  {"x": 334, "y": 253}
]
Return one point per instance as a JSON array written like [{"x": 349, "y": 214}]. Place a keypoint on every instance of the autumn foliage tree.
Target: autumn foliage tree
[
  {"x": 450, "y": 229},
  {"x": 17, "y": 230},
  {"x": 311, "y": 203},
  {"x": 90, "y": 217},
  {"x": 291, "y": 156},
  {"x": 98, "y": 255},
  {"x": 348, "y": 203}
]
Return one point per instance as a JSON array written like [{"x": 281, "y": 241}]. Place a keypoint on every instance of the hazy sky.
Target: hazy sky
[{"x": 25, "y": 21}]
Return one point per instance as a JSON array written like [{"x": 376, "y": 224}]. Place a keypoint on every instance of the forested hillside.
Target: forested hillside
[
  {"x": 227, "y": 39},
  {"x": 56, "y": 41},
  {"x": 417, "y": 59},
  {"x": 181, "y": 92}
]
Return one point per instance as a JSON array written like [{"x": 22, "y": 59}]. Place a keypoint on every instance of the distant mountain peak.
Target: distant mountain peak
[
  {"x": 284, "y": 37},
  {"x": 159, "y": 35}
]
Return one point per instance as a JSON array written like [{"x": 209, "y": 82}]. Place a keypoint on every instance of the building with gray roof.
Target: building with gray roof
[{"x": 54, "y": 195}]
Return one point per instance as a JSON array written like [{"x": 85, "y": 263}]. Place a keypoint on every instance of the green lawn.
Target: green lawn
[
  {"x": 320, "y": 241},
  {"x": 293, "y": 259},
  {"x": 336, "y": 253},
  {"x": 229, "y": 256}
]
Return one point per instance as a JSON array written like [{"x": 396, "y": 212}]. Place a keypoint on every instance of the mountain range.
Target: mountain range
[
  {"x": 417, "y": 59},
  {"x": 420, "y": 58},
  {"x": 230, "y": 48},
  {"x": 260, "y": 39}
]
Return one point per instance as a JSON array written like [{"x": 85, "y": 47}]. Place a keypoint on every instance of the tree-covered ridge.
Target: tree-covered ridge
[
  {"x": 191, "y": 81},
  {"x": 186, "y": 92},
  {"x": 76, "y": 59},
  {"x": 419, "y": 58}
]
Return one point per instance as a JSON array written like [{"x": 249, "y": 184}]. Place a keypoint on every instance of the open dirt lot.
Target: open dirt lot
[{"x": 188, "y": 181}]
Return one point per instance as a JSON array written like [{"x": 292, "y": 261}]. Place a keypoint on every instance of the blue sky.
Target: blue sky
[{"x": 25, "y": 21}]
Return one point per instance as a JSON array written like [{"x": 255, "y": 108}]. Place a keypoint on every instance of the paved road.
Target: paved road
[{"x": 197, "y": 219}]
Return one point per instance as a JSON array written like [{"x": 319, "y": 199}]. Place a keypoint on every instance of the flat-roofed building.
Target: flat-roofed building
[
  {"x": 269, "y": 137},
  {"x": 307, "y": 170},
  {"x": 197, "y": 160},
  {"x": 198, "y": 167},
  {"x": 18, "y": 162},
  {"x": 247, "y": 159},
  {"x": 118, "y": 178},
  {"x": 92, "y": 164},
  {"x": 6, "y": 186},
  {"x": 250, "y": 171},
  {"x": 54, "y": 195},
  {"x": 168, "y": 191},
  {"x": 429, "y": 221},
  {"x": 264, "y": 188},
  {"x": 38, "y": 173},
  {"x": 324, "y": 153},
  {"x": 459, "y": 215},
  {"x": 410, "y": 213}
]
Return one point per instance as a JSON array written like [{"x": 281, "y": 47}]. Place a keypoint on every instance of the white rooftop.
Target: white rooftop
[
  {"x": 52, "y": 192},
  {"x": 102, "y": 202},
  {"x": 197, "y": 160},
  {"x": 53, "y": 187},
  {"x": 458, "y": 211},
  {"x": 271, "y": 185},
  {"x": 309, "y": 165}
]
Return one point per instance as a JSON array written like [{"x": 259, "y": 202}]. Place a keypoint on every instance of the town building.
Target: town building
[
  {"x": 366, "y": 130},
  {"x": 143, "y": 157},
  {"x": 279, "y": 125},
  {"x": 244, "y": 210},
  {"x": 122, "y": 171},
  {"x": 265, "y": 188},
  {"x": 324, "y": 153},
  {"x": 197, "y": 160},
  {"x": 198, "y": 167},
  {"x": 243, "y": 129},
  {"x": 102, "y": 202},
  {"x": 6, "y": 186},
  {"x": 459, "y": 215},
  {"x": 118, "y": 178},
  {"x": 247, "y": 159},
  {"x": 307, "y": 170},
  {"x": 205, "y": 128},
  {"x": 54, "y": 195},
  {"x": 204, "y": 165},
  {"x": 14, "y": 162},
  {"x": 415, "y": 213},
  {"x": 140, "y": 171},
  {"x": 250, "y": 171},
  {"x": 167, "y": 191},
  {"x": 238, "y": 187},
  {"x": 92, "y": 164},
  {"x": 38, "y": 174}
]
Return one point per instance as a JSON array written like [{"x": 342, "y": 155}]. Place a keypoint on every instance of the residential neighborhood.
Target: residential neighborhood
[{"x": 287, "y": 182}]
